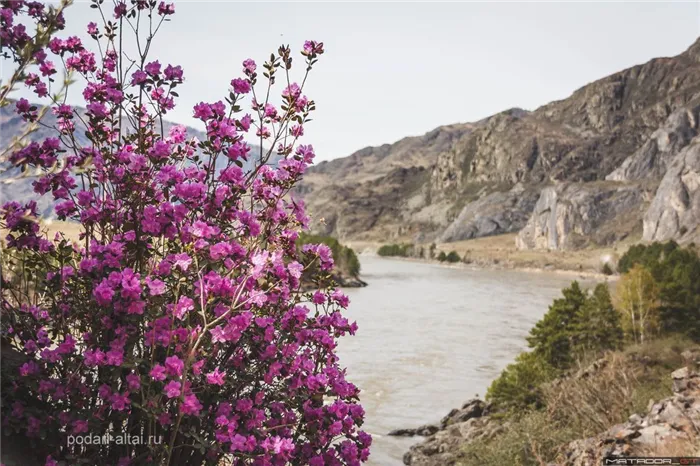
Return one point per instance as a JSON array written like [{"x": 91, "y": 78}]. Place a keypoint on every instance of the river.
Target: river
[{"x": 431, "y": 337}]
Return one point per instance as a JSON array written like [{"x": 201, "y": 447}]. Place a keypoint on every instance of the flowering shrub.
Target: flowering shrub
[
  {"x": 25, "y": 51},
  {"x": 178, "y": 314}
]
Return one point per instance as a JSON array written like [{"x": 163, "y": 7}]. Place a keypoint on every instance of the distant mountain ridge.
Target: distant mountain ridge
[{"x": 578, "y": 171}]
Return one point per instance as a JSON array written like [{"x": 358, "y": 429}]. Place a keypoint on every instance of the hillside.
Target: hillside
[{"x": 575, "y": 172}]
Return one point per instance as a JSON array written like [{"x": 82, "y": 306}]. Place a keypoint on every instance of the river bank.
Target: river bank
[
  {"x": 499, "y": 253},
  {"x": 431, "y": 336}
]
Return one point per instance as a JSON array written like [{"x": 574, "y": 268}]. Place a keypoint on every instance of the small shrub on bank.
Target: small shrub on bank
[
  {"x": 453, "y": 257},
  {"x": 396, "y": 250}
]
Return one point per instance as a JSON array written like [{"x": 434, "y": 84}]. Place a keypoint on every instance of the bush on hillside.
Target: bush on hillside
[{"x": 453, "y": 257}]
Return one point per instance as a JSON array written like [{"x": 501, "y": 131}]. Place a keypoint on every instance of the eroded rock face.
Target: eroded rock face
[
  {"x": 645, "y": 113},
  {"x": 674, "y": 212},
  {"x": 493, "y": 214},
  {"x": 570, "y": 215},
  {"x": 652, "y": 159}
]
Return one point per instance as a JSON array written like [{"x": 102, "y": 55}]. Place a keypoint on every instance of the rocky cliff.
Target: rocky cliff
[
  {"x": 543, "y": 172},
  {"x": 675, "y": 211}
]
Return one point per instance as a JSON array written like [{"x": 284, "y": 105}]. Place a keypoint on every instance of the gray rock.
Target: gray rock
[
  {"x": 653, "y": 157},
  {"x": 572, "y": 215},
  {"x": 424, "y": 431},
  {"x": 471, "y": 409},
  {"x": 674, "y": 212},
  {"x": 494, "y": 214}
]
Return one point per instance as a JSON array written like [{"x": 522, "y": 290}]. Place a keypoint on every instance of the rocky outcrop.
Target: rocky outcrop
[
  {"x": 674, "y": 212},
  {"x": 652, "y": 159},
  {"x": 442, "y": 447},
  {"x": 493, "y": 214},
  {"x": 626, "y": 126},
  {"x": 672, "y": 420},
  {"x": 572, "y": 215}
]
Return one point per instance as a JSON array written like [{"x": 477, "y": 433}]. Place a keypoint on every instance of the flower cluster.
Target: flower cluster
[
  {"x": 180, "y": 310},
  {"x": 28, "y": 48}
]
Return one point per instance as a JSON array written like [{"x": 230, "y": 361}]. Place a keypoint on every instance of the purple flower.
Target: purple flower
[
  {"x": 103, "y": 293},
  {"x": 155, "y": 287},
  {"x": 172, "y": 389},
  {"x": 120, "y": 402},
  {"x": 153, "y": 68},
  {"x": 158, "y": 372},
  {"x": 240, "y": 86},
  {"x": 133, "y": 381},
  {"x": 249, "y": 66},
  {"x": 174, "y": 366},
  {"x": 183, "y": 306},
  {"x": 191, "y": 405},
  {"x": 173, "y": 73},
  {"x": 166, "y": 9},
  {"x": 139, "y": 77},
  {"x": 216, "y": 377}
]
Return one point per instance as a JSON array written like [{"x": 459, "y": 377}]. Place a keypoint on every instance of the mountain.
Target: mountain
[
  {"x": 578, "y": 171},
  {"x": 12, "y": 125}
]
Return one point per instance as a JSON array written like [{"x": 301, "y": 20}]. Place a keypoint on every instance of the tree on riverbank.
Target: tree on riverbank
[
  {"x": 577, "y": 326},
  {"x": 638, "y": 300}
]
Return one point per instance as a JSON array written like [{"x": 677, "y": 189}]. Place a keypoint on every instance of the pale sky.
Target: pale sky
[{"x": 399, "y": 69}]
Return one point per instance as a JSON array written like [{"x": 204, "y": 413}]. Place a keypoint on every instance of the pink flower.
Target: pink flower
[
  {"x": 153, "y": 68},
  {"x": 155, "y": 287},
  {"x": 120, "y": 402},
  {"x": 191, "y": 405},
  {"x": 183, "y": 306},
  {"x": 240, "y": 86},
  {"x": 174, "y": 366},
  {"x": 166, "y": 9},
  {"x": 158, "y": 372},
  {"x": 92, "y": 29},
  {"x": 172, "y": 389},
  {"x": 319, "y": 298},
  {"x": 139, "y": 77},
  {"x": 249, "y": 66},
  {"x": 173, "y": 73},
  {"x": 293, "y": 91},
  {"x": 216, "y": 377},
  {"x": 182, "y": 261},
  {"x": 103, "y": 293},
  {"x": 133, "y": 381}
]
